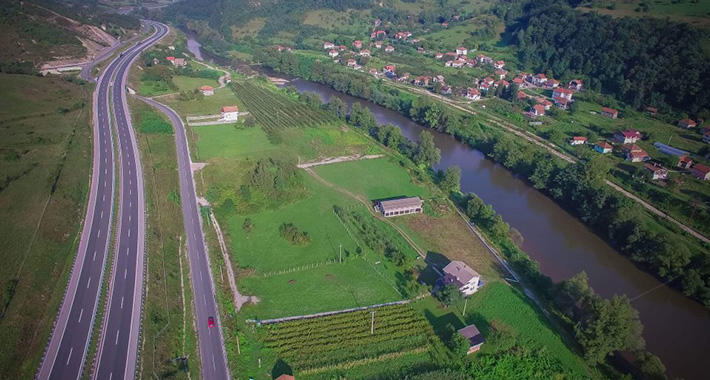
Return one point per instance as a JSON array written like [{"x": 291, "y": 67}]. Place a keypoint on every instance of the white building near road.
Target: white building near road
[
  {"x": 230, "y": 113},
  {"x": 463, "y": 276}
]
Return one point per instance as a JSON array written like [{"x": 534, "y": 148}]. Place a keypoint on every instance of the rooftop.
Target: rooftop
[
  {"x": 410, "y": 202},
  {"x": 461, "y": 271},
  {"x": 471, "y": 333}
]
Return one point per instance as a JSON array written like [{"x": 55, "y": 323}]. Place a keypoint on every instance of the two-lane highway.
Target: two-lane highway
[
  {"x": 212, "y": 352},
  {"x": 118, "y": 347},
  {"x": 66, "y": 352}
]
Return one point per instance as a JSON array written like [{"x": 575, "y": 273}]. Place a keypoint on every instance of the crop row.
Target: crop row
[
  {"x": 382, "y": 313},
  {"x": 351, "y": 338},
  {"x": 335, "y": 368}
]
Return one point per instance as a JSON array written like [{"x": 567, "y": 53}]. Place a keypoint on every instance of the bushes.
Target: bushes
[
  {"x": 293, "y": 235},
  {"x": 150, "y": 122}
]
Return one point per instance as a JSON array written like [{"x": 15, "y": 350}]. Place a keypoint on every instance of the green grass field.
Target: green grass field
[
  {"x": 226, "y": 141},
  {"x": 353, "y": 283},
  {"x": 264, "y": 250},
  {"x": 373, "y": 179},
  {"x": 695, "y": 13},
  {"x": 499, "y": 303},
  {"x": 189, "y": 83},
  {"x": 45, "y": 161},
  {"x": 208, "y": 105}
]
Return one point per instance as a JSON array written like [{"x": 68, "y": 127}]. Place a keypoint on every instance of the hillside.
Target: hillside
[{"x": 50, "y": 34}]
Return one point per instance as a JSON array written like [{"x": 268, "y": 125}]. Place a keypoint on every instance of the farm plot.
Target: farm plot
[
  {"x": 274, "y": 112},
  {"x": 345, "y": 341}
]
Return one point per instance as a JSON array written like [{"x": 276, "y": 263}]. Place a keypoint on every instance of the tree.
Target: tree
[
  {"x": 426, "y": 153},
  {"x": 448, "y": 294},
  {"x": 571, "y": 294},
  {"x": 459, "y": 345},
  {"x": 473, "y": 206},
  {"x": 499, "y": 228},
  {"x": 338, "y": 107},
  {"x": 650, "y": 366},
  {"x": 541, "y": 173},
  {"x": 451, "y": 179}
]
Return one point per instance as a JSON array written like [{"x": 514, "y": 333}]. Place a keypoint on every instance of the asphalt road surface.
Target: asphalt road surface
[
  {"x": 118, "y": 346},
  {"x": 212, "y": 352},
  {"x": 67, "y": 349}
]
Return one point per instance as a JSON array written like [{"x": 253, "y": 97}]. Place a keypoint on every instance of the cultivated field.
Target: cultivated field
[
  {"x": 325, "y": 346},
  {"x": 46, "y": 162}
]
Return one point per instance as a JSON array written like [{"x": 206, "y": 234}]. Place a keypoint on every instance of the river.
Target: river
[{"x": 676, "y": 328}]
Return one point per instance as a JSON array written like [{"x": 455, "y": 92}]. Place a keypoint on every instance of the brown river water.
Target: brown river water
[{"x": 676, "y": 328}]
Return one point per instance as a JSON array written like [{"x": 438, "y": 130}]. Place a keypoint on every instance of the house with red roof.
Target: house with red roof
[
  {"x": 389, "y": 49},
  {"x": 610, "y": 112},
  {"x": 539, "y": 79},
  {"x": 501, "y": 74},
  {"x": 603, "y": 147},
  {"x": 461, "y": 51},
  {"x": 637, "y": 156},
  {"x": 501, "y": 82},
  {"x": 656, "y": 171},
  {"x": 207, "y": 90},
  {"x": 357, "y": 44},
  {"x": 519, "y": 81},
  {"x": 439, "y": 55},
  {"x": 687, "y": 123},
  {"x": 544, "y": 102},
  {"x": 552, "y": 84},
  {"x": 230, "y": 113},
  {"x": 537, "y": 110},
  {"x": 628, "y": 137},
  {"x": 445, "y": 24},
  {"x": 700, "y": 171},
  {"x": 578, "y": 140},
  {"x": 449, "y": 63},
  {"x": 333, "y": 53},
  {"x": 576, "y": 85},
  {"x": 499, "y": 64},
  {"x": 389, "y": 69},
  {"x": 422, "y": 80},
  {"x": 403, "y": 78},
  {"x": 472, "y": 93},
  {"x": 378, "y": 44},
  {"x": 685, "y": 162},
  {"x": 522, "y": 95},
  {"x": 459, "y": 63},
  {"x": 352, "y": 62},
  {"x": 364, "y": 53},
  {"x": 561, "y": 102},
  {"x": 328, "y": 45},
  {"x": 562, "y": 93}
]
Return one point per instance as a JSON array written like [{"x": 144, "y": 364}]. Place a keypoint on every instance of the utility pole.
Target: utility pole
[
  {"x": 465, "y": 303},
  {"x": 372, "y": 324},
  {"x": 341, "y": 253},
  {"x": 239, "y": 350}
]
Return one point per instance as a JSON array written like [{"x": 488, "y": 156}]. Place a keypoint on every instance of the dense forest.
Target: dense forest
[{"x": 642, "y": 61}]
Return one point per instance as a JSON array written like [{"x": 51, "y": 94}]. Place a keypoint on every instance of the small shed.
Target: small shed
[
  {"x": 475, "y": 338},
  {"x": 402, "y": 206},
  {"x": 207, "y": 90}
]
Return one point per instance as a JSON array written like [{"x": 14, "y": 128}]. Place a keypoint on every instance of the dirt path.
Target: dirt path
[
  {"x": 334, "y": 160},
  {"x": 221, "y": 80},
  {"x": 552, "y": 149}
]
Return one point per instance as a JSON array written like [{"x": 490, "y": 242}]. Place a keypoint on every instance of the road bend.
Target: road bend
[
  {"x": 213, "y": 355},
  {"x": 66, "y": 351},
  {"x": 117, "y": 351}
]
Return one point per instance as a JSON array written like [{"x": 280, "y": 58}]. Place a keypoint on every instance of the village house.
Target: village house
[
  {"x": 519, "y": 81},
  {"x": 603, "y": 147},
  {"x": 207, "y": 90},
  {"x": 651, "y": 111},
  {"x": 484, "y": 59},
  {"x": 474, "y": 337},
  {"x": 637, "y": 156},
  {"x": 422, "y": 80},
  {"x": 472, "y": 93},
  {"x": 445, "y": 90},
  {"x": 463, "y": 276},
  {"x": 461, "y": 51},
  {"x": 444, "y": 24},
  {"x": 280, "y": 48},
  {"x": 484, "y": 86},
  {"x": 388, "y": 69},
  {"x": 501, "y": 82},
  {"x": 685, "y": 162},
  {"x": 357, "y": 44},
  {"x": 374, "y": 72},
  {"x": 499, "y": 65},
  {"x": 610, "y": 112},
  {"x": 687, "y": 123},
  {"x": 389, "y": 49},
  {"x": 562, "y": 93},
  {"x": 501, "y": 74},
  {"x": 438, "y": 55},
  {"x": 378, "y": 45},
  {"x": 458, "y": 63},
  {"x": 701, "y": 172},
  {"x": 561, "y": 102},
  {"x": 522, "y": 95},
  {"x": 627, "y": 137},
  {"x": 333, "y": 53},
  {"x": 544, "y": 102},
  {"x": 471, "y": 63},
  {"x": 328, "y": 45},
  {"x": 352, "y": 62},
  {"x": 537, "y": 110},
  {"x": 230, "y": 113},
  {"x": 403, "y": 78},
  {"x": 364, "y": 53},
  {"x": 578, "y": 140},
  {"x": 438, "y": 79},
  {"x": 342, "y": 48},
  {"x": 657, "y": 171},
  {"x": 449, "y": 63},
  {"x": 539, "y": 79},
  {"x": 576, "y": 85},
  {"x": 402, "y": 206},
  {"x": 421, "y": 50},
  {"x": 552, "y": 84}
]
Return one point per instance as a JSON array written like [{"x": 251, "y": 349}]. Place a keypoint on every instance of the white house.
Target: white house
[
  {"x": 463, "y": 276},
  {"x": 333, "y": 53},
  {"x": 461, "y": 51},
  {"x": 207, "y": 90},
  {"x": 230, "y": 113}
]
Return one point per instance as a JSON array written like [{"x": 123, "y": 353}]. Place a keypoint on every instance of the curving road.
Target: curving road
[
  {"x": 213, "y": 355},
  {"x": 117, "y": 350},
  {"x": 66, "y": 351}
]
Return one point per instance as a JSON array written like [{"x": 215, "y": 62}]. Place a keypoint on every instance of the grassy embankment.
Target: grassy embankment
[
  {"x": 168, "y": 330},
  {"x": 46, "y": 164},
  {"x": 260, "y": 252}
]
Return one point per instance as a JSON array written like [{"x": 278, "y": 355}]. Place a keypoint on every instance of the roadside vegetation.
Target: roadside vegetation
[{"x": 46, "y": 160}]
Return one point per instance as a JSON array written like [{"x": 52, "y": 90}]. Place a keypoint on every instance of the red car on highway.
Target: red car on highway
[{"x": 210, "y": 322}]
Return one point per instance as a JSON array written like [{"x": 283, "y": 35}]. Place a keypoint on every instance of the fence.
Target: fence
[{"x": 326, "y": 313}]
